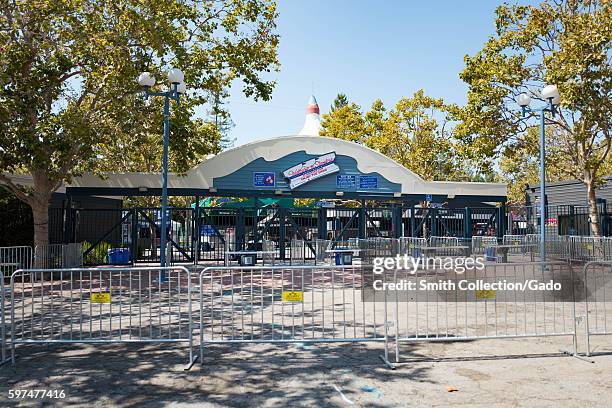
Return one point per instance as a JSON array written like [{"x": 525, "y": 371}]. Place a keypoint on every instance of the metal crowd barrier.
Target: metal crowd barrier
[
  {"x": 443, "y": 241},
  {"x": 519, "y": 243},
  {"x": 598, "y": 300},
  {"x": 13, "y": 258},
  {"x": 457, "y": 315},
  {"x": 481, "y": 243},
  {"x": 101, "y": 305},
  {"x": 2, "y": 322},
  {"x": 283, "y": 304},
  {"x": 412, "y": 246},
  {"x": 447, "y": 242},
  {"x": 590, "y": 248}
]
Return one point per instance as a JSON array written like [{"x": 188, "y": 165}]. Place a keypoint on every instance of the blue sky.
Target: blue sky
[{"x": 367, "y": 50}]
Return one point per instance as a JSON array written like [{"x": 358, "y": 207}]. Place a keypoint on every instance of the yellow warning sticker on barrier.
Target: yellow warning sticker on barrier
[
  {"x": 100, "y": 298},
  {"x": 292, "y": 296},
  {"x": 485, "y": 294}
]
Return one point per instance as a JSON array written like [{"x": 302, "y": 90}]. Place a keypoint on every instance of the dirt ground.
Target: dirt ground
[{"x": 480, "y": 373}]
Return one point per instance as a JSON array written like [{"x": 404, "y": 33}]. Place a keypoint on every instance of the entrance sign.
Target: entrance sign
[
  {"x": 312, "y": 169},
  {"x": 207, "y": 230},
  {"x": 368, "y": 182},
  {"x": 346, "y": 182},
  {"x": 264, "y": 179}
]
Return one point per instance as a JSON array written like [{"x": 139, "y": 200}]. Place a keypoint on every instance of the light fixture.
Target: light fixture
[
  {"x": 212, "y": 190},
  {"x": 143, "y": 189},
  {"x": 396, "y": 195},
  {"x": 278, "y": 192},
  {"x": 339, "y": 193},
  {"x": 550, "y": 92},
  {"x": 146, "y": 79},
  {"x": 176, "y": 76},
  {"x": 523, "y": 100},
  {"x": 181, "y": 88}
]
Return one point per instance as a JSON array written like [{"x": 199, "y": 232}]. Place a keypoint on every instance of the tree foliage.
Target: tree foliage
[
  {"x": 414, "y": 133},
  {"x": 67, "y": 81},
  {"x": 564, "y": 43}
]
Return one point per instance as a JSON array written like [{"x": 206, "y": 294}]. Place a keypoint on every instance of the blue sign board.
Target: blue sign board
[
  {"x": 207, "y": 230},
  {"x": 368, "y": 182},
  {"x": 428, "y": 197},
  {"x": 264, "y": 179},
  {"x": 345, "y": 182}
]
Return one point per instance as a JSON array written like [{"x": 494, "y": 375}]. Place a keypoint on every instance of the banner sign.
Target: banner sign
[
  {"x": 345, "y": 182},
  {"x": 207, "y": 230},
  {"x": 312, "y": 169},
  {"x": 368, "y": 182},
  {"x": 264, "y": 179}
]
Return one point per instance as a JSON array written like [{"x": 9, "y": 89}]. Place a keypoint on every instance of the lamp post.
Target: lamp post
[
  {"x": 177, "y": 88},
  {"x": 551, "y": 95}
]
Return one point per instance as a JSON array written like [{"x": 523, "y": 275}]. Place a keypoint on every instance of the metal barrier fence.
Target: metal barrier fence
[
  {"x": 2, "y": 322},
  {"x": 443, "y": 241},
  {"x": 100, "y": 305},
  {"x": 451, "y": 314},
  {"x": 590, "y": 248},
  {"x": 13, "y": 258},
  {"x": 280, "y": 304},
  {"x": 481, "y": 243},
  {"x": 308, "y": 304},
  {"x": 412, "y": 246},
  {"x": 55, "y": 256},
  {"x": 598, "y": 303},
  {"x": 519, "y": 243}
]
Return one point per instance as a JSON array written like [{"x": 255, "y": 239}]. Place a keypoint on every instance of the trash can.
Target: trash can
[
  {"x": 118, "y": 256},
  {"x": 247, "y": 260},
  {"x": 491, "y": 254},
  {"x": 344, "y": 258}
]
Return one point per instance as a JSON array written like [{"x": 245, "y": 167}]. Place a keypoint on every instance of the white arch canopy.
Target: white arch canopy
[{"x": 230, "y": 171}]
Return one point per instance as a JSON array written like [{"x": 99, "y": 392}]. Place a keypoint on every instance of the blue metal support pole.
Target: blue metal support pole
[
  {"x": 162, "y": 255},
  {"x": 172, "y": 93},
  {"x": 542, "y": 187}
]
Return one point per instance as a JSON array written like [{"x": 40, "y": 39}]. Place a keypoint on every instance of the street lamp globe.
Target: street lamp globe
[
  {"x": 181, "y": 88},
  {"x": 551, "y": 92},
  {"x": 176, "y": 76},
  {"x": 523, "y": 100},
  {"x": 146, "y": 79}
]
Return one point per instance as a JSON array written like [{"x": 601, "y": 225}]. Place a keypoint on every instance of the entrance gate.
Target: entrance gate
[{"x": 204, "y": 234}]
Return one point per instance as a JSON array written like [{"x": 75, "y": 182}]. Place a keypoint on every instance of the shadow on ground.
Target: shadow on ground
[{"x": 237, "y": 376}]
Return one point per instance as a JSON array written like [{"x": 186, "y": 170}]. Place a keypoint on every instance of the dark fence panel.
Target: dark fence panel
[{"x": 205, "y": 234}]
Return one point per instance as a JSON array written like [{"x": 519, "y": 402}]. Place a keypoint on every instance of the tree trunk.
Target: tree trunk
[
  {"x": 593, "y": 213},
  {"x": 40, "y": 214},
  {"x": 39, "y": 201}
]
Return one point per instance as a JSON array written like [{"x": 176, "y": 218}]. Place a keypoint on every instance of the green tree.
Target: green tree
[
  {"x": 68, "y": 78},
  {"x": 564, "y": 43},
  {"x": 519, "y": 163},
  {"x": 340, "y": 102},
  {"x": 345, "y": 122},
  {"x": 414, "y": 133}
]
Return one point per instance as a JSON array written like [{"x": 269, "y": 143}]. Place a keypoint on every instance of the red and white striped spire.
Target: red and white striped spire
[{"x": 312, "y": 122}]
